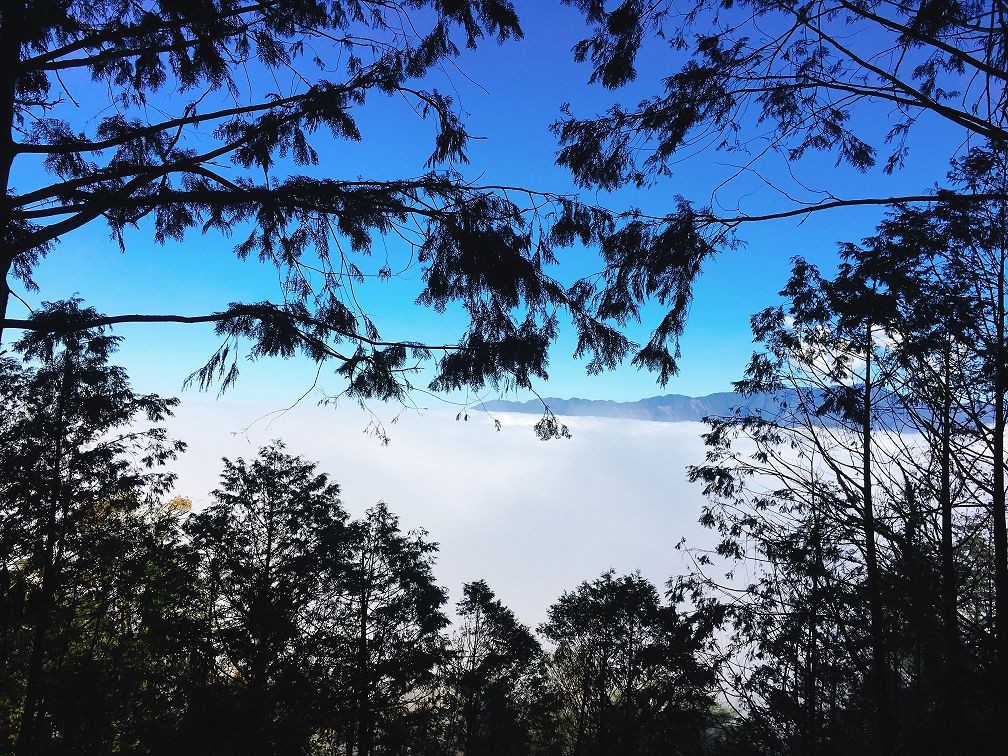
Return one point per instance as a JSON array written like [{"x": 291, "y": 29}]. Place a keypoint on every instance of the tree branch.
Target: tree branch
[{"x": 52, "y": 325}]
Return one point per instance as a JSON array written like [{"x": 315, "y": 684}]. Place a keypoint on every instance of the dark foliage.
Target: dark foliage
[
  {"x": 194, "y": 133},
  {"x": 771, "y": 82},
  {"x": 270, "y": 621},
  {"x": 93, "y": 574},
  {"x": 494, "y": 680},
  {"x": 873, "y": 494},
  {"x": 629, "y": 671}
]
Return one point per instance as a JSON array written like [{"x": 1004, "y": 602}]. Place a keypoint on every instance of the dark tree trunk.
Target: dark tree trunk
[
  {"x": 27, "y": 737},
  {"x": 884, "y": 724},
  {"x": 812, "y": 649},
  {"x": 11, "y": 25},
  {"x": 998, "y": 498},
  {"x": 950, "y": 609},
  {"x": 363, "y": 731},
  {"x": 581, "y": 720},
  {"x": 469, "y": 716}
]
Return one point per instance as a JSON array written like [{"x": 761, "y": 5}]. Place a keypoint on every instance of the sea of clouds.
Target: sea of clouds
[{"x": 532, "y": 518}]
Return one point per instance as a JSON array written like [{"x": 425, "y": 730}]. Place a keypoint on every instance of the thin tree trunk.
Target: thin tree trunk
[
  {"x": 812, "y": 649},
  {"x": 917, "y": 589},
  {"x": 884, "y": 725},
  {"x": 581, "y": 720},
  {"x": 950, "y": 610},
  {"x": 834, "y": 729},
  {"x": 363, "y": 729},
  {"x": 26, "y": 742},
  {"x": 998, "y": 498},
  {"x": 469, "y": 716}
]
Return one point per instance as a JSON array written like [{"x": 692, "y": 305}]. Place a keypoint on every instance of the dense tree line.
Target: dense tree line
[{"x": 273, "y": 622}]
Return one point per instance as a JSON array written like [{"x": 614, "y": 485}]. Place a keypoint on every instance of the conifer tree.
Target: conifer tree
[
  {"x": 491, "y": 676},
  {"x": 218, "y": 117},
  {"x": 275, "y": 534},
  {"x": 629, "y": 670},
  {"x": 78, "y": 462},
  {"x": 768, "y": 84}
]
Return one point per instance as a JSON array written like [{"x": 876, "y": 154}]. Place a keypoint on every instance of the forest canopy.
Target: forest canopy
[
  {"x": 192, "y": 132},
  {"x": 271, "y": 621}
]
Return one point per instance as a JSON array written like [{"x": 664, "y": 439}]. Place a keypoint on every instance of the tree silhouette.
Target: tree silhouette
[
  {"x": 868, "y": 489},
  {"x": 492, "y": 676},
  {"x": 391, "y": 610},
  {"x": 628, "y": 669},
  {"x": 770, "y": 81},
  {"x": 203, "y": 137},
  {"x": 275, "y": 531},
  {"x": 949, "y": 260},
  {"x": 78, "y": 469}
]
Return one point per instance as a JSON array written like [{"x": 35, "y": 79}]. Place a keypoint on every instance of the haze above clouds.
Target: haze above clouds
[{"x": 532, "y": 518}]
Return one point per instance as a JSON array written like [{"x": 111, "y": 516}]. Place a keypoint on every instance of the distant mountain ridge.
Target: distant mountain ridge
[{"x": 671, "y": 408}]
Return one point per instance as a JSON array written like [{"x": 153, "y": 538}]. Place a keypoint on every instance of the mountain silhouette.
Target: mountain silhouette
[{"x": 671, "y": 408}]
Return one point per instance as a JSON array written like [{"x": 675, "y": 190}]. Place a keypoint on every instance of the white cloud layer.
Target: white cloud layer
[{"x": 531, "y": 518}]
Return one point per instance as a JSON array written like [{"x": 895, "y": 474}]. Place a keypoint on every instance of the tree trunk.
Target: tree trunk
[
  {"x": 581, "y": 720},
  {"x": 950, "y": 609},
  {"x": 884, "y": 725},
  {"x": 812, "y": 648},
  {"x": 469, "y": 717},
  {"x": 11, "y": 25},
  {"x": 998, "y": 498},
  {"x": 26, "y": 742},
  {"x": 834, "y": 728},
  {"x": 363, "y": 733}
]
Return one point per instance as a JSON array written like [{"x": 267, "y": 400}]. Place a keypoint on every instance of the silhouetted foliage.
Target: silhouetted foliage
[
  {"x": 392, "y": 614},
  {"x": 769, "y": 83},
  {"x": 270, "y": 621},
  {"x": 83, "y": 536},
  {"x": 188, "y": 129},
  {"x": 629, "y": 671},
  {"x": 860, "y": 520},
  {"x": 874, "y": 494},
  {"x": 273, "y": 539},
  {"x": 494, "y": 678},
  {"x": 857, "y": 514}
]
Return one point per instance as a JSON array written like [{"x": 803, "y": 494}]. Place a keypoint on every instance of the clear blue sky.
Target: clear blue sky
[{"x": 514, "y": 94}]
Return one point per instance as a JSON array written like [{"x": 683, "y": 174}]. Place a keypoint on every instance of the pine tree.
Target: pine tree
[
  {"x": 79, "y": 465},
  {"x": 211, "y": 116}
]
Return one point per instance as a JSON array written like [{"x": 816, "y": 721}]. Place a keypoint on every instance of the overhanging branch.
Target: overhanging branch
[
  {"x": 944, "y": 197},
  {"x": 262, "y": 312}
]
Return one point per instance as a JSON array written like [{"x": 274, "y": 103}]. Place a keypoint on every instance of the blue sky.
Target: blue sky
[{"x": 509, "y": 96}]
